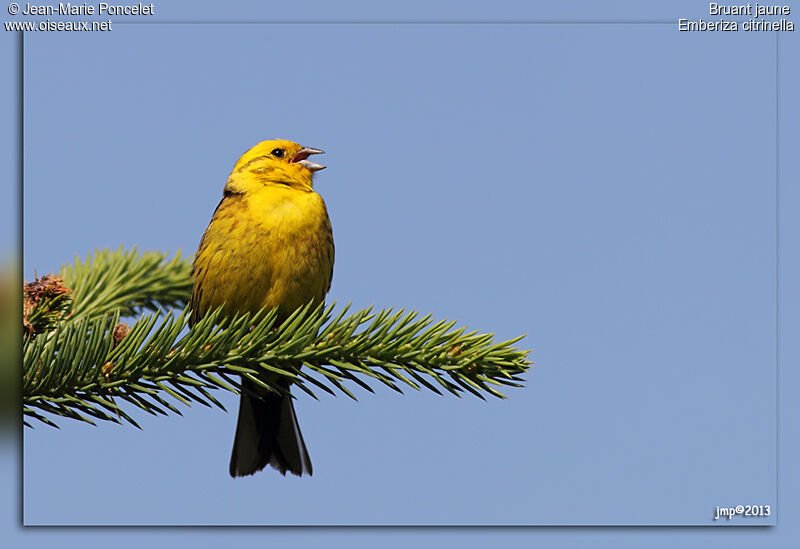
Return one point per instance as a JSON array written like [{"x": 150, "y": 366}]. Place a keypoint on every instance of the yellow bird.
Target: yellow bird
[{"x": 269, "y": 244}]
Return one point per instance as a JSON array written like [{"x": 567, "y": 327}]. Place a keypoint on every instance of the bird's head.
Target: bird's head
[{"x": 274, "y": 162}]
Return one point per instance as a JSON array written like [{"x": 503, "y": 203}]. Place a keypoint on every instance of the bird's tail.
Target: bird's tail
[{"x": 267, "y": 433}]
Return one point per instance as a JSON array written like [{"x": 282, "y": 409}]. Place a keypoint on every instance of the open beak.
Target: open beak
[{"x": 303, "y": 154}]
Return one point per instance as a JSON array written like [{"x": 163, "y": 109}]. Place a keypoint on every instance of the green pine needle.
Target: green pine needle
[{"x": 127, "y": 282}]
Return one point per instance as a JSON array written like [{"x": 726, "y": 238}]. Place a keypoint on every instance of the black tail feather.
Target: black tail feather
[{"x": 267, "y": 433}]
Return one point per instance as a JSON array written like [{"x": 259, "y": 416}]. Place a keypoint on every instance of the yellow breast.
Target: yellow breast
[{"x": 272, "y": 248}]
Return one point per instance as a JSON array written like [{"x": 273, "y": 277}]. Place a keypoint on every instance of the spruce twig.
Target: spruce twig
[{"x": 87, "y": 364}]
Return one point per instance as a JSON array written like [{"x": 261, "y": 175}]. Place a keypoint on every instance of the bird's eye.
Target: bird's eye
[{"x": 277, "y": 153}]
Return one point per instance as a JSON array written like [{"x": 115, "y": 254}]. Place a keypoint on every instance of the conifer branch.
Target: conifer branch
[{"x": 85, "y": 366}]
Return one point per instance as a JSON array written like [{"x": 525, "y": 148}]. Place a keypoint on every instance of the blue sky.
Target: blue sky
[{"x": 608, "y": 190}]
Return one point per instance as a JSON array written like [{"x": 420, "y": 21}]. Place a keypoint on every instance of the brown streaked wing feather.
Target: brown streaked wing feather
[
  {"x": 330, "y": 249},
  {"x": 197, "y": 291}
]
